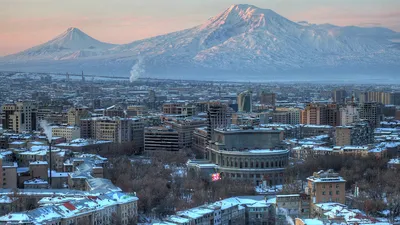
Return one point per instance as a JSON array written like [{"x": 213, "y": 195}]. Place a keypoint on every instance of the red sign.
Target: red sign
[{"x": 215, "y": 176}]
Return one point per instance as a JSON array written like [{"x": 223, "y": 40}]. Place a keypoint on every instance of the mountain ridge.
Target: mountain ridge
[{"x": 243, "y": 39}]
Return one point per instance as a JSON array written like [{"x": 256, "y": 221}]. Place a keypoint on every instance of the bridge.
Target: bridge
[{"x": 67, "y": 75}]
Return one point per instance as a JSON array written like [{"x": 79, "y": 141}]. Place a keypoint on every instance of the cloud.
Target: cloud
[
  {"x": 369, "y": 24},
  {"x": 345, "y": 17}
]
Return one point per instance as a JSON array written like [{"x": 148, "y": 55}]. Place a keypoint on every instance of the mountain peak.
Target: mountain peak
[
  {"x": 75, "y": 39},
  {"x": 249, "y": 16},
  {"x": 71, "y": 41},
  {"x": 242, "y": 6},
  {"x": 73, "y": 29}
]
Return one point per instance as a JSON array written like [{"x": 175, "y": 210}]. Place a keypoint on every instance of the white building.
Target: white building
[{"x": 348, "y": 115}]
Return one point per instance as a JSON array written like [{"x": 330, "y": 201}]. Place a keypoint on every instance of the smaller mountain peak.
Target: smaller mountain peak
[{"x": 73, "y": 30}]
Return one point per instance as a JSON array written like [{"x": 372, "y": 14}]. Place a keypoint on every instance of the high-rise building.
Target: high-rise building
[
  {"x": 396, "y": 98},
  {"x": 312, "y": 114},
  {"x": 161, "y": 139},
  {"x": 76, "y": 114},
  {"x": 20, "y": 116},
  {"x": 179, "y": 108},
  {"x": 385, "y": 98},
  {"x": 152, "y": 99},
  {"x": 281, "y": 117},
  {"x": 339, "y": 96},
  {"x": 330, "y": 115},
  {"x": 372, "y": 112},
  {"x": 185, "y": 128},
  {"x": 267, "y": 98},
  {"x": 348, "y": 114},
  {"x": 359, "y": 133},
  {"x": 218, "y": 117},
  {"x": 294, "y": 116},
  {"x": 320, "y": 114},
  {"x": 115, "y": 129},
  {"x": 245, "y": 101}
]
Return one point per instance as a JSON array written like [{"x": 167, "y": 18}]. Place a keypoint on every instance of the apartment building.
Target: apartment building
[
  {"x": 267, "y": 98},
  {"x": 161, "y": 139},
  {"x": 372, "y": 112},
  {"x": 181, "y": 108},
  {"x": 76, "y": 114},
  {"x": 348, "y": 114},
  {"x": 385, "y": 98},
  {"x": 20, "y": 116},
  {"x": 68, "y": 132},
  {"x": 326, "y": 186},
  {"x": 185, "y": 128},
  {"x": 359, "y": 133},
  {"x": 115, "y": 129},
  {"x": 245, "y": 101}
]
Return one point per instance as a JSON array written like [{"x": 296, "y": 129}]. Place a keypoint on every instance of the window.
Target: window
[
  {"x": 337, "y": 192},
  {"x": 323, "y": 193},
  {"x": 330, "y": 193},
  {"x": 337, "y": 185}
]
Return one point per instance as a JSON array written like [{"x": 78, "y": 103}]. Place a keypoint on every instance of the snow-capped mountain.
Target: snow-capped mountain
[
  {"x": 71, "y": 44},
  {"x": 242, "y": 40}
]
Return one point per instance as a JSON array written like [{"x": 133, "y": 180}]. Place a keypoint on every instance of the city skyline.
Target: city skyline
[{"x": 127, "y": 21}]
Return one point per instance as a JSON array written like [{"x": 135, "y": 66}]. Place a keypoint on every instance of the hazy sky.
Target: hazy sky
[{"x": 25, "y": 23}]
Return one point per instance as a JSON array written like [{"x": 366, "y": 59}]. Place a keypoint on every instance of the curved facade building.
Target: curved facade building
[
  {"x": 254, "y": 165},
  {"x": 245, "y": 153}
]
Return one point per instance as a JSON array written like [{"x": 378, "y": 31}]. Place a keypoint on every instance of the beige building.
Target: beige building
[
  {"x": 359, "y": 133},
  {"x": 115, "y": 129},
  {"x": 294, "y": 204},
  {"x": 136, "y": 110},
  {"x": 39, "y": 169},
  {"x": 8, "y": 176},
  {"x": 343, "y": 135},
  {"x": 20, "y": 116},
  {"x": 68, "y": 132},
  {"x": 326, "y": 186},
  {"x": 179, "y": 108},
  {"x": 199, "y": 142},
  {"x": 76, "y": 114},
  {"x": 311, "y": 114},
  {"x": 385, "y": 98}
]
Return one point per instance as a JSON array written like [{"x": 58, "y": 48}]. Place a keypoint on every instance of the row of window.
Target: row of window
[
  {"x": 330, "y": 193},
  {"x": 262, "y": 165},
  {"x": 330, "y": 185}
]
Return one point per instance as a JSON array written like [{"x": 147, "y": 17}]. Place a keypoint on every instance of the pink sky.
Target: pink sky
[{"x": 26, "y": 23}]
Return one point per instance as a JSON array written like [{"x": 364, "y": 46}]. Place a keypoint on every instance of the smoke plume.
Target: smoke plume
[
  {"x": 47, "y": 130},
  {"x": 137, "y": 70}
]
